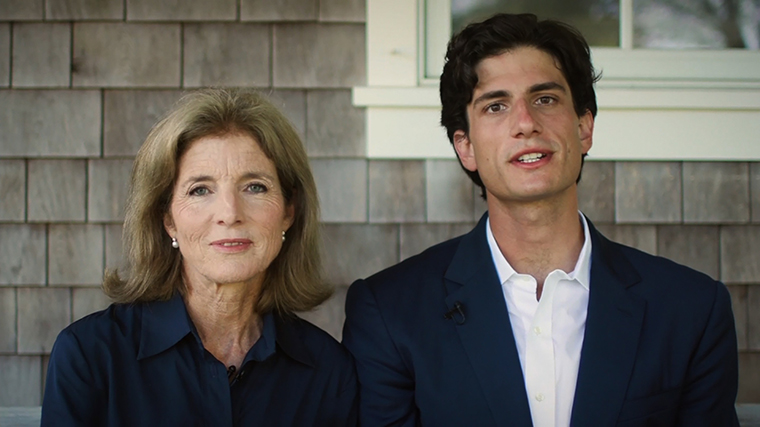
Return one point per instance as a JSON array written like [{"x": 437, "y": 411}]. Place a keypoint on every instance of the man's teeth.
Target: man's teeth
[
  {"x": 531, "y": 158},
  {"x": 232, "y": 244}
]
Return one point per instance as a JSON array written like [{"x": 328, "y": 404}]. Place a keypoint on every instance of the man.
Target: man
[{"x": 534, "y": 318}]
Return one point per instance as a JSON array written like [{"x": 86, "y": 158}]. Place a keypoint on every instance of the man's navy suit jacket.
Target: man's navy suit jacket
[{"x": 659, "y": 346}]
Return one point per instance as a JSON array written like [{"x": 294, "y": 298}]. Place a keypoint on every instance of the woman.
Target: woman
[{"x": 221, "y": 240}]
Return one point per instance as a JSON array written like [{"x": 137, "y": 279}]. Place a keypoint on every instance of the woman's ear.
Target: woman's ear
[
  {"x": 169, "y": 225},
  {"x": 290, "y": 216}
]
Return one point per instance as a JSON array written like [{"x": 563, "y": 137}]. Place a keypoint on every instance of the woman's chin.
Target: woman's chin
[{"x": 226, "y": 281}]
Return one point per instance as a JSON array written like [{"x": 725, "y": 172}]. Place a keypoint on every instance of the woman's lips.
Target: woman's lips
[{"x": 231, "y": 245}]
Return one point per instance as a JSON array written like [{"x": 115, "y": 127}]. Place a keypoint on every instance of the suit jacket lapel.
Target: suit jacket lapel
[
  {"x": 613, "y": 326},
  {"x": 486, "y": 332}
]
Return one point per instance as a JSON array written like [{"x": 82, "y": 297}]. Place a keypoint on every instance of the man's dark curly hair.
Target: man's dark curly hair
[{"x": 499, "y": 34}]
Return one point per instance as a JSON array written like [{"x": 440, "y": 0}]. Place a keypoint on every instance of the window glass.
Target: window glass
[
  {"x": 657, "y": 24},
  {"x": 598, "y": 20},
  {"x": 707, "y": 24}
]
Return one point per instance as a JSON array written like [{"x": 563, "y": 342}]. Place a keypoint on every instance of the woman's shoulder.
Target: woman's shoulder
[
  {"x": 320, "y": 345},
  {"x": 84, "y": 349},
  {"x": 116, "y": 322}
]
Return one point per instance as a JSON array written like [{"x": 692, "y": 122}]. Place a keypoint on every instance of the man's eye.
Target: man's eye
[
  {"x": 256, "y": 188},
  {"x": 545, "y": 100},
  {"x": 495, "y": 108},
  {"x": 198, "y": 191}
]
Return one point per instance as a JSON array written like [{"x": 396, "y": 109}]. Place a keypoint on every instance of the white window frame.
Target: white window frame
[{"x": 653, "y": 105}]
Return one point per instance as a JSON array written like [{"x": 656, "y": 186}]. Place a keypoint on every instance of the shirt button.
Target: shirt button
[
  {"x": 540, "y": 397},
  {"x": 537, "y": 330}
]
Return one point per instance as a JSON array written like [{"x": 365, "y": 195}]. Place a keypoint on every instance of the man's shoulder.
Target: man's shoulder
[
  {"x": 662, "y": 277},
  {"x": 430, "y": 263},
  {"x": 412, "y": 282},
  {"x": 647, "y": 264}
]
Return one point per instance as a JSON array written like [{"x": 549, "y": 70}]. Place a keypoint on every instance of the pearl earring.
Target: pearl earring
[
  {"x": 175, "y": 244},
  {"x": 283, "y": 236}
]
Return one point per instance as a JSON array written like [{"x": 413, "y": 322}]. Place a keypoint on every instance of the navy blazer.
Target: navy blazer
[{"x": 659, "y": 347}]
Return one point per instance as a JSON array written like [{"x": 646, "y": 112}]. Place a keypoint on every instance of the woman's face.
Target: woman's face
[{"x": 227, "y": 211}]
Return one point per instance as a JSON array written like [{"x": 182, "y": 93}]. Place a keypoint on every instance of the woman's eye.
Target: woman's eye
[
  {"x": 256, "y": 188},
  {"x": 198, "y": 191}
]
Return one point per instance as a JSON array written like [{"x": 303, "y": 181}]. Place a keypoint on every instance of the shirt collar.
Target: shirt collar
[
  {"x": 581, "y": 272},
  {"x": 165, "y": 323},
  {"x": 265, "y": 345}
]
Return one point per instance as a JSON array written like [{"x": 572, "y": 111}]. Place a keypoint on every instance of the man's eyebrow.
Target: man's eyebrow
[
  {"x": 539, "y": 87},
  {"x": 547, "y": 86},
  {"x": 491, "y": 95}
]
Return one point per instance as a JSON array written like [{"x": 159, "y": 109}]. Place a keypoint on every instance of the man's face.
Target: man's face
[{"x": 525, "y": 139}]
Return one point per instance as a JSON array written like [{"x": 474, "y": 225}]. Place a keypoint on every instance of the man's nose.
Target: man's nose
[{"x": 524, "y": 122}]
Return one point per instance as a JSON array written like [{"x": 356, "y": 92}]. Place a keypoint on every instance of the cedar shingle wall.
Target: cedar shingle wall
[{"x": 82, "y": 81}]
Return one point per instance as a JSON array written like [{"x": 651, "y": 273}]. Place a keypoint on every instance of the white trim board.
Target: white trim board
[
  {"x": 606, "y": 97},
  {"x": 653, "y": 105},
  {"x": 706, "y": 125}
]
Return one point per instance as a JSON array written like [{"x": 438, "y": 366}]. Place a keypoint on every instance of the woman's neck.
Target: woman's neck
[{"x": 225, "y": 318}]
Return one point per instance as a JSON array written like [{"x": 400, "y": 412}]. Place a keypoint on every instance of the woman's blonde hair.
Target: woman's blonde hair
[{"x": 293, "y": 280}]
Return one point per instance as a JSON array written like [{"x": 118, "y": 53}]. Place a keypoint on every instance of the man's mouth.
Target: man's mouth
[{"x": 531, "y": 157}]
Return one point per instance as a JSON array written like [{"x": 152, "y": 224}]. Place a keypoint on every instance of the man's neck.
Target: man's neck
[{"x": 537, "y": 238}]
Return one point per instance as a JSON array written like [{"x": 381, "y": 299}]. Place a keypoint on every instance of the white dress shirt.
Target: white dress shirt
[{"x": 548, "y": 333}]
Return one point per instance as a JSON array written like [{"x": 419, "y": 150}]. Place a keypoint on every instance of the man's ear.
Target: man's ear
[
  {"x": 586, "y": 131},
  {"x": 465, "y": 150}
]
